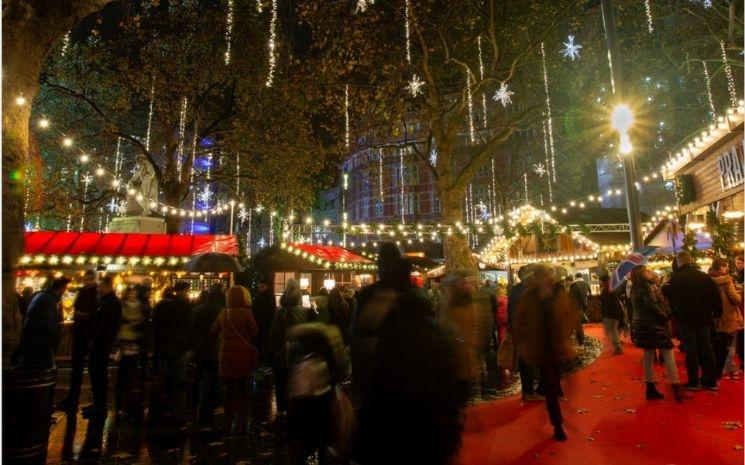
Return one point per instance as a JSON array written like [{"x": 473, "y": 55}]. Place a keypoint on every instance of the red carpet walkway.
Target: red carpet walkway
[{"x": 609, "y": 422}]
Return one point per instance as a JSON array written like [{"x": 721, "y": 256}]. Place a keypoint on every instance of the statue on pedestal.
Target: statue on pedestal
[{"x": 145, "y": 184}]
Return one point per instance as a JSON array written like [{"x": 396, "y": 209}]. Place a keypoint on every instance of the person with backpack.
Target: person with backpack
[
  {"x": 318, "y": 364},
  {"x": 237, "y": 358},
  {"x": 290, "y": 314}
]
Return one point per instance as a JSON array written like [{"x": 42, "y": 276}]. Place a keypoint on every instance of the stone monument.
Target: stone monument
[{"x": 142, "y": 190}]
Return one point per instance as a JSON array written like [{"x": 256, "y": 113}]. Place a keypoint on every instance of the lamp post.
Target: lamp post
[{"x": 622, "y": 120}]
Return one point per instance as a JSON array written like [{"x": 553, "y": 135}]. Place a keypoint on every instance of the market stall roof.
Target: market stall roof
[
  {"x": 310, "y": 257},
  {"x": 331, "y": 254},
  {"x": 56, "y": 243}
]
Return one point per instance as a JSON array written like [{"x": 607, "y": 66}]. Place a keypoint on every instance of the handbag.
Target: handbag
[
  {"x": 253, "y": 353},
  {"x": 507, "y": 354},
  {"x": 344, "y": 423}
]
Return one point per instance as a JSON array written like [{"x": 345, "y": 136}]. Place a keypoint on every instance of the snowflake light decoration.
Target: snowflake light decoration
[
  {"x": 539, "y": 169},
  {"x": 113, "y": 205},
  {"x": 205, "y": 195},
  {"x": 483, "y": 210},
  {"x": 87, "y": 179},
  {"x": 243, "y": 215},
  {"x": 29, "y": 226},
  {"x": 503, "y": 94},
  {"x": 433, "y": 157},
  {"x": 415, "y": 86},
  {"x": 122, "y": 210},
  {"x": 571, "y": 50},
  {"x": 261, "y": 243}
]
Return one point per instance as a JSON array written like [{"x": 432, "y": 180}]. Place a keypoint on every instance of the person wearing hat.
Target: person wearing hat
[{"x": 542, "y": 328}]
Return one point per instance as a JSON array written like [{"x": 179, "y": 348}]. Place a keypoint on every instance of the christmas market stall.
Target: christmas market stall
[
  {"x": 129, "y": 256},
  {"x": 314, "y": 266}
]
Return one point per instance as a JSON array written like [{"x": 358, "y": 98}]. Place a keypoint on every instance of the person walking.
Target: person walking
[
  {"x": 651, "y": 330},
  {"x": 542, "y": 328},
  {"x": 579, "y": 291},
  {"x": 732, "y": 320},
  {"x": 129, "y": 340},
  {"x": 105, "y": 330},
  {"x": 84, "y": 314},
  {"x": 237, "y": 358},
  {"x": 158, "y": 332},
  {"x": 339, "y": 312},
  {"x": 144, "y": 295},
  {"x": 612, "y": 313},
  {"x": 40, "y": 333},
  {"x": 264, "y": 309},
  {"x": 290, "y": 314},
  {"x": 321, "y": 306},
  {"x": 174, "y": 318},
  {"x": 696, "y": 303},
  {"x": 528, "y": 373},
  {"x": 206, "y": 350}
]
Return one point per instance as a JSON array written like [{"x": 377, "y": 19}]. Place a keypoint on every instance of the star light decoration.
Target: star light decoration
[
  {"x": 415, "y": 86},
  {"x": 571, "y": 50},
  {"x": 503, "y": 94},
  {"x": 539, "y": 169}
]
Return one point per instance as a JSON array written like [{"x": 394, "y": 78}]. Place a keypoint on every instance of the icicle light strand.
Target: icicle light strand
[
  {"x": 648, "y": 10},
  {"x": 708, "y": 90},
  {"x": 401, "y": 180},
  {"x": 525, "y": 185},
  {"x": 191, "y": 177},
  {"x": 272, "y": 45},
  {"x": 228, "y": 31},
  {"x": 481, "y": 75},
  {"x": 548, "y": 114},
  {"x": 346, "y": 115},
  {"x": 469, "y": 96},
  {"x": 545, "y": 150},
  {"x": 380, "y": 174},
  {"x": 181, "y": 130},
  {"x": 408, "y": 33},
  {"x": 150, "y": 111},
  {"x": 65, "y": 44},
  {"x": 730, "y": 80}
]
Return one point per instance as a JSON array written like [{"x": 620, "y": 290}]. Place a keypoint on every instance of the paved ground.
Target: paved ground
[{"x": 155, "y": 433}]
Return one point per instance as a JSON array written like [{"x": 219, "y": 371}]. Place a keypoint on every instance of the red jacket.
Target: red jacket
[{"x": 238, "y": 358}]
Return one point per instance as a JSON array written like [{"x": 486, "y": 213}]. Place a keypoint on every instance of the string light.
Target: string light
[
  {"x": 548, "y": 163},
  {"x": 20, "y": 100},
  {"x": 401, "y": 180},
  {"x": 481, "y": 74},
  {"x": 65, "y": 44},
  {"x": 43, "y": 123},
  {"x": 150, "y": 112},
  {"x": 346, "y": 115},
  {"x": 525, "y": 186},
  {"x": 380, "y": 174},
  {"x": 191, "y": 178},
  {"x": 67, "y": 142},
  {"x": 248, "y": 233},
  {"x": 471, "y": 129},
  {"x": 228, "y": 31},
  {"x": 181, "y": 130},
  {"x": 408, "y": 34},
  {"x": 708, "y": 89},
  {"x": 648, "y": 10},
  {"x": 272, "y": 45},
  {"x": 493, "y": 187},
  {"x": 730, "y": 80},
  {"x": 548, "y": 111}
]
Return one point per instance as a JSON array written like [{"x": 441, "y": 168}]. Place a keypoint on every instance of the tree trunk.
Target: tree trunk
[
  {"x": 458, "y": 255},
  {"x": 30, "y": 28}
]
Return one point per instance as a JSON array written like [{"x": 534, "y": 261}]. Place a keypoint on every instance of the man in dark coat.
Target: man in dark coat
[
  {"x": 612, "y": 313},
  {"x": 86, "y": 305},
  {"x": 696, "y": 303},
  {"x": 206, "y": 347},
  {"x": 264, "y": 307},
  {"x": 144, "y": 294},
  {"x": 173, "y": 320},
  {"x": 105, "y": 328},
  {"x": 528, "y": 373},
  {"x": 40, "y": 334}
]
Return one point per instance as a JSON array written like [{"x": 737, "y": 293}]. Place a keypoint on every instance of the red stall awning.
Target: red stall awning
[
  {"x": 331, "y": 254},
  {"x": 126, "y": 244}
]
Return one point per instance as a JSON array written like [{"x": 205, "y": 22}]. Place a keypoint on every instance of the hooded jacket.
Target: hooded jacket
[
  {"x": 236, "y": 324},
  {"x": 650, "y": 328},
  {"x": 731, "y": 320}
]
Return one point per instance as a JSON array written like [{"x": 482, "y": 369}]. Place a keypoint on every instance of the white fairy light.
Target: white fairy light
[
  {"x": 503, "y": 94},
  {"x": 118, "y": 158},
  {"x": 271, "y": 229},
  {"x": 493, "y": 187},
  {"x": 481, "y": 76},
  {"x": 401, "y": 180},
  {"x": 346, "y": 115},
  {"x": 65, "y": 44},
  {"x": 380, "y": 174},
  {"x": 525, "y": 186},
  {"x": 708, "y": 90},
  {"x": 228, "y": 31},
  {"x": 272, "y": 45},
  {"x": 259, "y": 6},
  {"x": 415, "y": 85},
  {"x": 548, "y": 114},
  {"x": 69, "y": 218},
  {"x": 149, "y": 117},
  {"x": 471, "y": 129},
  {"x": 548, "y": 163},
  {"x": 408, "y": 33},
  {"x": 191, "y": 178},
  {"x": 728, "y": 71},
  {"x": 248, "y": 233},
  {"x": 571, "y": 50},
  {"x": 648, "y": 10},
  {"x": 181, "y": 130}
]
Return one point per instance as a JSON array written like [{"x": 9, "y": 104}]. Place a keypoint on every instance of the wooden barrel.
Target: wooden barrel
[{"x": 28, "y": 400}]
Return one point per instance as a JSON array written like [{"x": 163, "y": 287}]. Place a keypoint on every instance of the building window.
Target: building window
[
  {"x": 411, "y": 175},
  {"x": 411, "y": 204},
  {"x": 378, "y": 208},
  {"x": 435, "y": 204},
  {"x": 280, "y": 281}
]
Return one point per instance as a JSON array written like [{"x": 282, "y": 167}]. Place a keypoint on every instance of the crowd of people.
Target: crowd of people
[{"x": 410, "y": 358}]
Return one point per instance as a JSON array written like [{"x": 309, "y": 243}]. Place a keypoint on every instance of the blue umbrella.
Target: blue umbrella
[{"x": 639, "y": 257}]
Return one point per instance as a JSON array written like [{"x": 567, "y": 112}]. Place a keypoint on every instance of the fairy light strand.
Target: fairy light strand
[
  {"x": 181, "y": 130},
  {"x": 228, "y": 31},
  {"x": 150, "y": 112},
  {"x": 191, "y": 178},
  {"x": 525, "y": 186},
  {"x": 648, "y": 11},
  {"x": 545, "y": 150},
  {"x": 469, "y": 96},
  {"x": 346, "y": 115},
  {"x": 65, "y": 44},
  {"x": 401, "y": 181},
  {"x": 708, "y": 90},
  {"x": 380, "y": 174},
  {"x": 548, "y": 114},
  {"x": 494, "y": 187},
  {"x": 407, "y": 31},
  {"x": 730, "y": 80},
  {"x": 272, "y": 45},
  {"x": 481, "y": 75}
]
